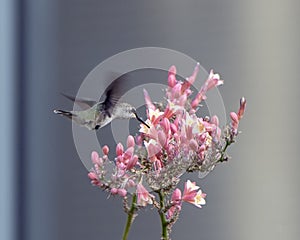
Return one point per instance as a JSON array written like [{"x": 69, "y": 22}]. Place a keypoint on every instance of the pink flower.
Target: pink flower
[
  {"x": 161, "y": 137},
  {"x": 94, "y": 178},
  {"x": 122, "y": 192},
  {"x": 193, "y": 145},
  {"x": 242, "y": 108},
  {"x": 130, "y": 141},
  {"x": 119, "y": 149},
  {"x": 176, "y": 203},
  {"x": 189, "y": 81},
  {"x": 105, "y": 150},
  {"x": 176, "y": 197},
  {"x": 193, "y": 194},
  {"x": 235, "y": 118},
  {"x": 95, "y": 157},
  {"x": 152, "y": 148},
  {"x": 132, "y": 162},
  {"x": 143, "y": 196},
  {"x": 165, "y": 124},
  {"x": 148, "y": 101},
  {"x": 172, "y": 77},
  {"x": 213, "y": 80}
]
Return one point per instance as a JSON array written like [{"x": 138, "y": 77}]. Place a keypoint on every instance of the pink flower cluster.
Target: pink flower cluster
[
  {"x": 191, "y": 194},
  {"x": 177, "y": 141}
]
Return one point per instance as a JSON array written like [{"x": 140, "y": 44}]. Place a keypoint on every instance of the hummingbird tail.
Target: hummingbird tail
[{"x": 64, "y": 113}]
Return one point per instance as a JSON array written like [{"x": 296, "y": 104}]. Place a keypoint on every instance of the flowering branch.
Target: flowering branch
[{"x": 173, "y": 141}]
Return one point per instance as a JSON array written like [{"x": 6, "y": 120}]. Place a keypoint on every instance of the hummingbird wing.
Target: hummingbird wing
[
  {"x": 82, "y": 103},
  {"x": 113, "y": 94}
]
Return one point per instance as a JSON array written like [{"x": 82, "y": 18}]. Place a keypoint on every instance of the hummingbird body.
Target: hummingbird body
[{"x": 96, "y": 115}]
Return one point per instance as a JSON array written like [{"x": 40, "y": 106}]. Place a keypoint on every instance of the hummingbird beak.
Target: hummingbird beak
[{"x": 141, "y": 120}]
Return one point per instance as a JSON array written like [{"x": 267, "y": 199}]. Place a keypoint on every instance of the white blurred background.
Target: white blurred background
[{"x": 48, "y": 47}]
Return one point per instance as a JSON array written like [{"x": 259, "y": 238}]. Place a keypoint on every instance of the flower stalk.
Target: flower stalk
[
  {"x": 130, "y": 217},
  {"x": 163, "y": 220}
]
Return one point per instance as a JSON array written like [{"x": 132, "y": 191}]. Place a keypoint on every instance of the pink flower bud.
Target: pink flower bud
[
  {"x": 176, "y": 196},
  {"x": 189, "y": 81},
  {"x": 176, "y": 91},
  {"x": 203, "y": 137},
  {"x": 172, "y": 70},
  {"x": 165, "y": 124},
  {"x": 130, "y": 183},
  {"x": 234, "y": 117},
  {"x": 128, "y": 153},
  {"x": 105, "y": 150},
  {"x": 202, "y": 148},
  {"x": 139, "y": 140},
  {"x": 215, "y": 120},
  {"x": 122, "y": 192},
  {"x": 171, "y": 81},
  {"x": 202, "y": 151},
  {"x": 95, "y": 157},
  {"x": 151, "y": 149},
  {"x": 119, "y": 149},
  {"x": 199, "y": 97},
  {"x": 193, "y": 145},
  {"x": 173, "y": 128},
  {"x": 132, "y": 162},
  {"x": 213, "y": 80},
  {"x": 130, "y": 141},
  {"x": 148, "y": 101},
  {"x": 161, "y": 138},
  {"x": 92, "y": 176},
  {"x": 182, "y": 99},
  {"x": 242, "y": 108},
  {"x": 114, "y": 191}
]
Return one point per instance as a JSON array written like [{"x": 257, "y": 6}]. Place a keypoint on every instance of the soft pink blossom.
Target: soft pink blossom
[
  {"x": 94, "y": 178},
  {"x": 114, "y": 191},
  {"x": 132, "y": 162},
  {"x": 122, "y": 192},
  {"x": 193, "y": 194},
  {"x": 213, "y": 80},
  {"x": 176, "y": 197},
  {"x": 119, "y": 149},
  {"x": 105, "y": 150},
  {"x": 96, "y": 159},
  {"x": 189, "y": 81},
  {"x": 130, "y": 141},
  {"x": 242, "y": 108},
  {"x": 165, "y": 124},
  {"x": 148, "y": 101},
  {"x": 143, "y": 196},
  {"x": 193, "y": 145},
  {"x": 172, "y": 77},
  {"x": 161, "y": 137}
]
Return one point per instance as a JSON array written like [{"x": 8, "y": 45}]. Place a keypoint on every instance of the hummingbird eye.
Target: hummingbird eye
[{"x": 97, "y": 127}]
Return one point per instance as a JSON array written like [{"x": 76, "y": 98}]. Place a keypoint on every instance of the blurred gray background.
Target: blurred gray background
[{"x": 49, "y": 46}]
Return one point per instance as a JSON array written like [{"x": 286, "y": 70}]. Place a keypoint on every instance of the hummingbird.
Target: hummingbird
[{"x": 96, "y": 114}]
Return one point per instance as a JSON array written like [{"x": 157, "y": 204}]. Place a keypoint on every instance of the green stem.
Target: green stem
[
  {"x": 164, "y": 222},
  {"x": 224, "y": 150},
  {"x": 130, "y": 217}
]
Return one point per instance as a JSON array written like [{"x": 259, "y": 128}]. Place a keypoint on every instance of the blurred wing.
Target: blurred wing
[
  {"x": 82, "y": 103},
  {"x": 113, "y": 94}
]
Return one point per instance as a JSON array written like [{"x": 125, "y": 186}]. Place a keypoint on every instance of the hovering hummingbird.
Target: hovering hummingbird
[{"x": 95, "y": 115}]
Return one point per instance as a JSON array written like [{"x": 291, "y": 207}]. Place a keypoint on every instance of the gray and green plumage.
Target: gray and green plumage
[{"x": 95, "y": 115}]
